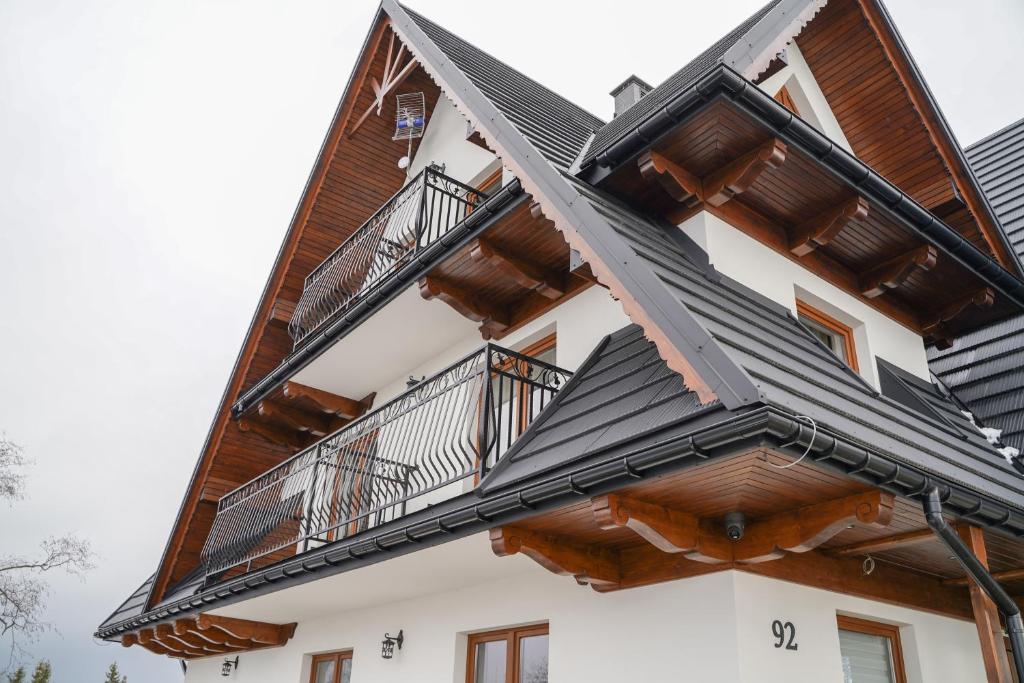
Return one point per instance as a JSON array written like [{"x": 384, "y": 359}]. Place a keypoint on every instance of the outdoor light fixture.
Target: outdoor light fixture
[
  {"x": 387, "y": 647},
  {"x": 228, "y": 666}
]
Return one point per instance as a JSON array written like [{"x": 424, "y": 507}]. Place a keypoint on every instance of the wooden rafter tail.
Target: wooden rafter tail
[
  {"x": 680, "y": 184},
  {"x": 826, "y": 226},
  {"x": 259, "y": 632},
  {"x": 525, "y": 273},
  {"x": 980, "y": 298},
  {"x": 299, "y": 420},
  {"x": 341, "y": 406},
  {"x": 273, "y": 434},
  {"x": 736, "y": 177},
  {"x": 165, "y": 634},
  {"x": 465, "y": 303},
  {"x": 592, "y": 566},
  {"x": 896, "y": 270}
]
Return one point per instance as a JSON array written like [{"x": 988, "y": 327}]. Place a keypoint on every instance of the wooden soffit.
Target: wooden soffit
[{"x": 208, "y": 635}]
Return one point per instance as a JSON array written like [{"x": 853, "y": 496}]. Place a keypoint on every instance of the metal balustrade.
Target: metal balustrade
[
  {"x": 420, "y": 213},
  {"x": 433, "y": 442}
]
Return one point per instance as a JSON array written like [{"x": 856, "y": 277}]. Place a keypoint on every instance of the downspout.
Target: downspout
[{"x": 977, "y": 571}]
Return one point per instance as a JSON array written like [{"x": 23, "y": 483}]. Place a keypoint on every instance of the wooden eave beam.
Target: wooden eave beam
[
  {"x": 259, "y": 632},
  {"x": 719, "y": 186},
  {"x": 884, "y": 543},
  {"x": 327, "y": 402},
  {"x": 188, "y": 626},
  {"x": 281, "y": 312},
  {"x": 594, "y": 566},
  {"x": 319, "y": 425},
  {"x": 282, "y": 437},
  {"x": 529, "y": 275},
  {"x": 896, "y": 270},
  {"x": 165, "y": 634},
  {"x": 493, "y": 319},
  {"x": 826, "y": 226},
  {"x": 796, "y": 531},
  {"x": 980, "y": 298},
  {"x": 1007, "y": 575}
]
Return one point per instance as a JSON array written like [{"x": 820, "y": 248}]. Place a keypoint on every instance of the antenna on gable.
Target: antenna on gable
[{"x": 410, "y": 119}]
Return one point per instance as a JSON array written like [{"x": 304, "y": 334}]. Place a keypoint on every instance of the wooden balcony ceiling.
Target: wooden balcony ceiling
[
  {"x": 514, "y": 272},
  {"x": 803, "y": 524},
  {"x": 724, "y": 162}
]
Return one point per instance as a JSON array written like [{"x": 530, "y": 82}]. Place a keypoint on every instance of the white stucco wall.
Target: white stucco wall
[
  {"x": 444, "y": 142},
  {"x": 759, "y": 267},
  {"x": 710, "y": 629}
]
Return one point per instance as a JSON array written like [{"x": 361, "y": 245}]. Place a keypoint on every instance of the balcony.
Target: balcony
[
  {"x": 429, "y": 444},
  {"x": 418, "y": 215}
]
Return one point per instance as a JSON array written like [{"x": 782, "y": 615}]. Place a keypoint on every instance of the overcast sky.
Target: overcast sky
[{"x": 151, "y": 155}]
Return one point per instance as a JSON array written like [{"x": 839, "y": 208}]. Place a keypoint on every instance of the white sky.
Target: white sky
[{"x": 151, "y": 155}]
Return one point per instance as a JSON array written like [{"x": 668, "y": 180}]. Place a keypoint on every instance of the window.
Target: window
[
  {"x": 836, "y": 336},
  {"x": 871, "y": 651},
  {"x": 509, "y": 656},
  {"x": 333, "y": 667}
]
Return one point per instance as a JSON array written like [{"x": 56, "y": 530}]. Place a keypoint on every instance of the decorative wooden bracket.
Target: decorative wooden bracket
[
  {"x": 282, "y": 437},
  {"x": 680, "y": 184},
  {"x": 493, "y": 319},
  {"x": 826, "y": 226},
  {"x": 933, "y": 326},
  {"x": 735, "y": 178},
  {"x": 394, "y": 74},
  {"x": 895, "y": 271},
  {"x": 208, "y": 635},
  {"x": 796, "y": 531},
  {"x": 526, "y": 274},
  {"x": 597, "y": 567},
  {"x": 319, "y": 425},
  {"x": 717, "y": 187},
  {"x": 327, "y": 402},
  {"x": 281, "y": 313}
]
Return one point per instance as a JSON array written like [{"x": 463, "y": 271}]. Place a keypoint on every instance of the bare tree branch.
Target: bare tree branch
[{"x": 12, "y": 477}]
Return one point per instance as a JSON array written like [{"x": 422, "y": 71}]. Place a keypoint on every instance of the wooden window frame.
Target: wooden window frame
[
  {"x": 877, "y": 628},
  {"x": 842, "y": 330},
  {"x": 337, "y": 657},
  {"x": 786, "y": 100},
  {"x": 512, "y": 638}
]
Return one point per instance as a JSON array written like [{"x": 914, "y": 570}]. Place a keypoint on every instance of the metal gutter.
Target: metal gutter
[
  {"x": 508, "y": 198},
  {"x": 979, "y": 573},
  {"x": 715, "y": 434},
  {"x": 723, "y": 82}
]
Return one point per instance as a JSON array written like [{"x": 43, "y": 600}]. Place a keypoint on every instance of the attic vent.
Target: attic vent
[{"x": 629, "y": 92}]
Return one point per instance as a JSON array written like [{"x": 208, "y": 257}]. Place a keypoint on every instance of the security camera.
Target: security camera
[{"x": 735, "y": 523}]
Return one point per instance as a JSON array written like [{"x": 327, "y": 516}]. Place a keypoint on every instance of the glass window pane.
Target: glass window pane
[
  {"x": 325, "y": 671},
  {"x": 490, "y": 662},
  {"x": 866, "y": 658},
  {"x": 346, "y": 670},
  {"x": 533, "y": 659},
  {"x": 830, "y": 338}
]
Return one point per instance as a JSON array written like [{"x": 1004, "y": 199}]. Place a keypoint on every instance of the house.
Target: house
[{"x": 530, "y": 395}]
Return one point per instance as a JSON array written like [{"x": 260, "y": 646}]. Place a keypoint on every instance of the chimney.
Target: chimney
[{"x": 629, "y": 92}]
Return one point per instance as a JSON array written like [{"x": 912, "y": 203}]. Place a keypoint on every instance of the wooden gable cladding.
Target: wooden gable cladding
[
  {"x": 353, "y": 177},
  {"x": 804, "y": 524},
  {"x": 887, "y": 119},
  {"x": 790, "y": 203},
  {"x": 208, "y": 635}
]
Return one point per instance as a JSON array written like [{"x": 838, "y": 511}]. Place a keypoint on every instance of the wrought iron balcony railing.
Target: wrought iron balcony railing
[
  {"x": 419, "y": 214},
  {"x": 427, "y": 445}
]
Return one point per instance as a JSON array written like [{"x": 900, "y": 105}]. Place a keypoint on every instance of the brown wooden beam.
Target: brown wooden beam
[
  {"x": 492, "y": 318},
  {"x": 1008, "y": 575},
  {"x": 188, "y": 626},
  {"x": 282, "y": 437},
  {"x": 281, "y": 312},
  {"x": 981, "y": 298},
  {"x": 878, "y": 545},
  {"x": 680, "y": 184},
  {"x": 327, "y": 402},
  {"x": 826, "y": 226},
  {"x": 319, "y": 425},
  {"x": 529, "y": 275},
  {"x": 736, "y": 177},
  {"x": 895, "y": 271},
  {"x": 129, "y": 639},
  {"x": 257, "y": 631},
  {"x": 986, "y": 616},
  {"x": 595, "y": 566},
  {"x": 796, "y": 531},
  {"x": 148, "y": 639},
  {"x": 165, "y": 634}
]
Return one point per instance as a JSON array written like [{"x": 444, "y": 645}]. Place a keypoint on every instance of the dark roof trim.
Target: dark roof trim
[
  {"x": 559, "y": 199},
  {"x": 724, "y": 82},
  {"x": 505, "y": 200},
  {"x": 604, "y": 472},
  {"x": 773, "y": 30}
]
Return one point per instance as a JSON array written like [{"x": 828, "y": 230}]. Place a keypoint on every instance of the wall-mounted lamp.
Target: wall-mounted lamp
[
  {"x": 228, "y": 666},
  {"x": 387, "y": 647}
]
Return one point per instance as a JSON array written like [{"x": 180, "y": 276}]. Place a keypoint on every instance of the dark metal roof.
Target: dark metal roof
[
  {"x": 985, "y": 369},
  {"x": 554, "y": 125},
  {"x": 678, "y": 81},
  {"x": 133, "y": 606}
]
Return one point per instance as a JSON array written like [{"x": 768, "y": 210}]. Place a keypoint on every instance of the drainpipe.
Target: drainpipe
[{"x": 977, "y": 571}]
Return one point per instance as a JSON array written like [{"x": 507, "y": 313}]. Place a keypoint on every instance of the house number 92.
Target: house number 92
[{"x": 785, "y": 634}]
